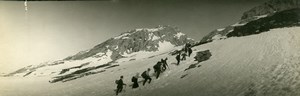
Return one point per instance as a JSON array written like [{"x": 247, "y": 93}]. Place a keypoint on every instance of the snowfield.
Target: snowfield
[{"x": 266, "y": 64}]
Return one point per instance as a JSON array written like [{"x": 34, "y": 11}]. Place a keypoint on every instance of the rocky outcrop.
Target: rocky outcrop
[
  {"x": 287, "y": 18},
  {"x": 202, "y": 56},
  {"x": 271, "y": 7},
  {"x": 216, "y": 35},
  {"x": 267, "y": 9}
]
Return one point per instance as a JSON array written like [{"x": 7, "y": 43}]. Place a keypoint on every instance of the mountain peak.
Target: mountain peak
[{"x": 141, "y": 39}]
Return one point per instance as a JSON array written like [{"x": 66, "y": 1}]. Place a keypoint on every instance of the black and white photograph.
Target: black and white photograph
[{"x": 150, "y": 47}]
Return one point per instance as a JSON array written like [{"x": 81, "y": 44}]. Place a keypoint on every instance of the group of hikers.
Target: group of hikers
[
  {"x": 159, "y": 67},
  {"x": 186, "y": 51}
]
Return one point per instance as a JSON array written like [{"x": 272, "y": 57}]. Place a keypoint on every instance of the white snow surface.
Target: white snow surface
[
  {"x": 266, "y": 64},
  {"x": 98, "y": 59},
  {"x": 239, "y": 24},
  {"x": 163, "y": 48},
  {"x": 218, "y": 37},
  {"x": 155, "y": 37},
  {"x": 261, "y": 16},
  {"x": 231, "y": 30},
  {"x": 150, "y": 29},
  {"x": 123, "y": 35},
  {"x": 221, "y": 29},
  {"x": 179, "y": 34}
]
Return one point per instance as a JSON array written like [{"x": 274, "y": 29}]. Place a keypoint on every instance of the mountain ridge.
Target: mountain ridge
[{"x": 137, "y": 40}]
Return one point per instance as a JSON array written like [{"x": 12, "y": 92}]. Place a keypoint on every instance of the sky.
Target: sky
[{"x": 53, "y": 30}]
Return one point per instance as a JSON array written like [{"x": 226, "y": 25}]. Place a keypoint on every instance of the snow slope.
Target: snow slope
[{"x": 266, "y": 64}]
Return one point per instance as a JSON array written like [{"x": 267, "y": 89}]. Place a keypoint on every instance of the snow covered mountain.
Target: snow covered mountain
[
  {"x": 146, "y": 41},
  {"x": 258, "y": 58},
  {"x": 270, "y": 12}
]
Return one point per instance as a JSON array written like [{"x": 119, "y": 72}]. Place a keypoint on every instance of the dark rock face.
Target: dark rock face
[
  {"x": 81, "y": 73},
  {"x": 136, "y": 40},
  {"x": 202, "y": 56},
  {"x": 286, "y": 18},
  {"x": 271, "y": 7},
  {"x": 267, "y": 9},
  {"x": 209, "y": 37}
]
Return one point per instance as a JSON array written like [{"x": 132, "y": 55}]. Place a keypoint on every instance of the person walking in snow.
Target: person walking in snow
[
  {"x": 184, "y": 49},
  {"x": 184, "y": 56},
  {"x": 120, "y": 85},
  {"x": 146, "y": 76},
  {"x": 157, "y": 68},
  {"x": 190, "y": 51},
  {"x": 134, "y": 79},
  {"x": 187, "y": 48},
  {"x": 165, "y": 64},
  {"x": 188, "y": 45},
  {"x": 178, "y": 58}
]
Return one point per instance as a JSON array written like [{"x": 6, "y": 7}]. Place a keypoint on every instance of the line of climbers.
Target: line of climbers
[
  {"x": 186, "y": 51},
  {"x": 159, "y": 67}
]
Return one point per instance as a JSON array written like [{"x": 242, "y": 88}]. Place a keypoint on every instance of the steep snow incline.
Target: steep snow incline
[
  {"x": 103, "y": 56},
  {"x": 266, "y": 64}
]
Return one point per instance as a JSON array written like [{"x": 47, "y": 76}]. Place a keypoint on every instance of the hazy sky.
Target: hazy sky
[{"x": 52, "y": 30}]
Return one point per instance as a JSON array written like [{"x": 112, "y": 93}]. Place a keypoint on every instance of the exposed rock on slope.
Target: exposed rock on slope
[
  {"x": 267, "y": 9},
  {"x": 202, "y": 56},
  {"x": 136, "y": 40},
  {"x": 271, "y": 7},
  {"x": 288, "y": 18}
]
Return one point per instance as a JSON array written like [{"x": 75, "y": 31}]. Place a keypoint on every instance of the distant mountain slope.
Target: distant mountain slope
[
  {"x": 268, "y": 9},
  {"x": 145, "y": 39},
  {"x": 104, "y": 55},
  {"x": 271, "y": 7},
  {"x": 287, "y": 18}
]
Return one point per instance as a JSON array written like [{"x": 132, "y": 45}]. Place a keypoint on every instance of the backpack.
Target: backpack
[
  {"x": 144, "y": 74},
  {"x": 117, "y": 81},
  {"x": 132, "y": 79},
  {"x": 190, "y": 50},
  {"x": 156, "y": 66},
  {"x": 178, "y": 57}
]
